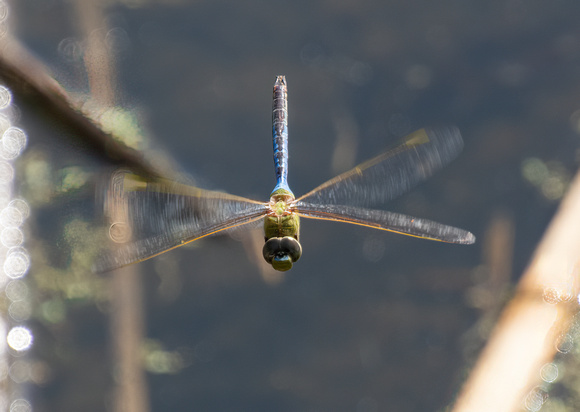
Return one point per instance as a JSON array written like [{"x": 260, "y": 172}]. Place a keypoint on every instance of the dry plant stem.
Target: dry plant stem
[
  {"x": 498, "y": 252},
  {"x": 530, "y": 328},
  {"x": 35, "y": 90},
  {"x": 127, "y": 318},
  {"x": 127, "y": 330}
]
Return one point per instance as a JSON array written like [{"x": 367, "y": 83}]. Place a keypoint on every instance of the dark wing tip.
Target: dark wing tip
[
  {"x": 447, "y": 137},
  {"x": 468, "y": 239}
]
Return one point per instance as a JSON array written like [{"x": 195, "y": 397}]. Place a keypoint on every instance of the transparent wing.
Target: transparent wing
[
  {"x": 380, "y": 219},
  {"x": 393, "y": 172},
  {"x": 149, "y": 217}
]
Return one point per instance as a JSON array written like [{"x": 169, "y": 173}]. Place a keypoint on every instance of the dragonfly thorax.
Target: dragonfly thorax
[
  {"x": 281, "y": 208},
  {"x": 281, "y": 220},
  {"x": 281, "y": 232},
  {"x": 280, "y": 196}
]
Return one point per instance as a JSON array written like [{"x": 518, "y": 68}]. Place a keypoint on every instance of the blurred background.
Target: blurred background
[{"x": 366, "y": 321}]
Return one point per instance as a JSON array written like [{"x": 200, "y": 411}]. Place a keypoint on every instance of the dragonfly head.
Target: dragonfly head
[{"x": 282, "y": 252}]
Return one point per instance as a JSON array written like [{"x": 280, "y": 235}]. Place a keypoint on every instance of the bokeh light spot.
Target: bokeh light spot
[
  {"x": 535, "y": 399},
  {"x": 11, "y": 236},
  {"x": 565, "y": 343},
  {"x": 553, "y": 188},
  {"x": 163, "y": 362},
  {"x": 16, "y": 290},
  {"x": 20, "y": 405},
  {"x": 549, "y": 372},
  {"x": 20, "y": 371},
  {"x": 19, "y": 338},
  {"x": 11, "y": 217},
  {"x": 54, "y": 311},
  {"x": 20, "y": 311},
  {"x": 16, "y": 264},
  {"x": 120, "y": 232},
  {"x": 551, "y": 296},
  {"x": 22, "y": 206},
  {"x": 534, "y": 170},
  {"x": 551, "y": 178},
  {"x": 13, "y": 143},
  {"x": 71, "y": 50},
  {"x": 117, "y": 40},
  {"x": 5, "y": 96}
]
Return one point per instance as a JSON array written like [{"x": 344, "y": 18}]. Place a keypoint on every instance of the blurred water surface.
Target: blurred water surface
[{"x": 366, "y": 321}]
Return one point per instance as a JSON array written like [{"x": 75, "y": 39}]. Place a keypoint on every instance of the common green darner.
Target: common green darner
[{"x": 185, "y": 213}]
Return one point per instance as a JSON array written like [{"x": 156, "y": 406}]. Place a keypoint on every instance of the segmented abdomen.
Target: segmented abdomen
[{"x": 280, "y": 130}]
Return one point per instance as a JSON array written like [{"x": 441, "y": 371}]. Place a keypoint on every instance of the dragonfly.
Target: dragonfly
[{"x": 154, "y": 215}]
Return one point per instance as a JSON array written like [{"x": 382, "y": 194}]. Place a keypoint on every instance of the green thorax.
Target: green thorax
[{"x": 281, "y": 221}]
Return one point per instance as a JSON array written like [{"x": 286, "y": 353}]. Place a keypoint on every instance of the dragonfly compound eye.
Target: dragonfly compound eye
[{"x": 282, "y": 252}]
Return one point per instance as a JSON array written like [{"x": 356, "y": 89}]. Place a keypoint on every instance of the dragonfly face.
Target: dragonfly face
[
  {"x": 282, "y": 252},
  {"x": 281, "y": 231}
]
